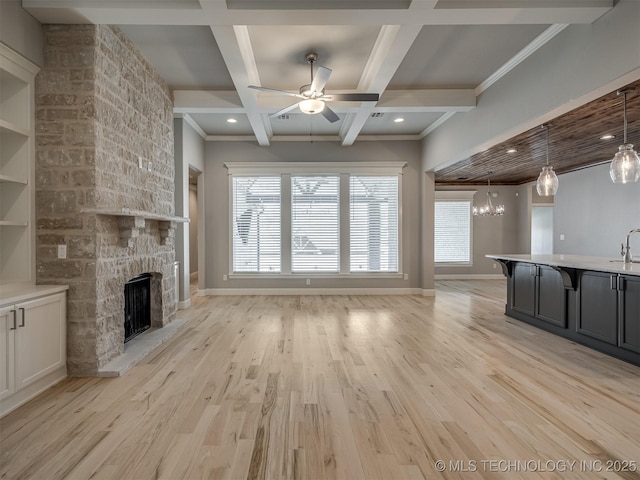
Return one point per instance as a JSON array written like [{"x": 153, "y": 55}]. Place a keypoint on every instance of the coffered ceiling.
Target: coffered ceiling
[{"x": 428, "y": 60}]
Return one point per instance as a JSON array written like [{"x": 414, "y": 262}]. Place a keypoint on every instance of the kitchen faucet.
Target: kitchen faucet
[{"x": 626, "y": 252}]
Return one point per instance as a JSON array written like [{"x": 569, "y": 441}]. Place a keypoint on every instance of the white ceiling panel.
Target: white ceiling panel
[
  {"x": 448, "y": 56},
  {"x": 412, "y": 124},
  {"x": 217, "y": 124},
  {"x": 280, "y": 52},
  {"x": 187, "y": 57}
]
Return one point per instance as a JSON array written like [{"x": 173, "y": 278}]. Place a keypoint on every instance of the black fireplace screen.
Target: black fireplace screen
[{"x": 137, "y": 306}]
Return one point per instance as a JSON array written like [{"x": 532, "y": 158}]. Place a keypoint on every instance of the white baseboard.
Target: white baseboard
[
  {"x": 469, "y": 276},
  {"x": 428, "y": 292},
  {"x": 184, "y": 304},
  {"x": 313, "y": 291}
]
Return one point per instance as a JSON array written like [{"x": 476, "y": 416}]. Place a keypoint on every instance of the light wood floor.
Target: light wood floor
[{"x": 349, "y": 387}]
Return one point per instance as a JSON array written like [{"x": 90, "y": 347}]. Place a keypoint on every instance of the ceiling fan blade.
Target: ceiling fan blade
[
  {"x": 329, "y": 114},
  {"x": 352, "y": 97},
  {"x": 320, "y": 79},
  {"x": 273, "y": 90},
  {"x": 283, "y": 111}
]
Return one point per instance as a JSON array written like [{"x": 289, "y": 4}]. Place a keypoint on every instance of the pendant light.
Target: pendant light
[
  {"x": 625, "y": 166},
  {"x": 489, "y": 209},
  {"x": 547, "y": 184}
]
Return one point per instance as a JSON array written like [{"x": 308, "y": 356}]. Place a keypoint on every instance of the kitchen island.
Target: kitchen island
[{"x": 590, "y": 300}]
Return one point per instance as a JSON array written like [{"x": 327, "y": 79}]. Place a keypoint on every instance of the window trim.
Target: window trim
[
  {"x": 286, "y": 170},
  {"x": 457, "y": 196}
]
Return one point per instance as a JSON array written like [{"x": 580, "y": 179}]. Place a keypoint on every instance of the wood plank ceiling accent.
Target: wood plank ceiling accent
[{"x": 574, "y": 143}]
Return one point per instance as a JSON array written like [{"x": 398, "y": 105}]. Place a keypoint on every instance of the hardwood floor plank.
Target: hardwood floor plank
[{"x": 339, "y": 387}]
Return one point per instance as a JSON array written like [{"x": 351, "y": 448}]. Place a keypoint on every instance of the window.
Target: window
[
  {"x": 452, "y": 229},
  {"x": 325, "y": 218},
  {"x": 374, "y": 223},
  {"x": 314, "y": 224},
  {"x": 256, "y": 224}
]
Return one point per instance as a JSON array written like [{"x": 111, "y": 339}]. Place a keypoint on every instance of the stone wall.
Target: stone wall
[{"x": 101, "y": 112}]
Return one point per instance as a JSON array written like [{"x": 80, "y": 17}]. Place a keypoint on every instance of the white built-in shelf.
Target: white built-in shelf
[
  {"x": 10, "y": 223},
  {"x": 11, "y": 179},
  {"x": 14, "y": 128}
]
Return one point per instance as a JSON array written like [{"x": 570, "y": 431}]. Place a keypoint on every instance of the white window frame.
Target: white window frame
[
  {"x": 458, "y": 196},
  {"x": 286, "y": 170}
]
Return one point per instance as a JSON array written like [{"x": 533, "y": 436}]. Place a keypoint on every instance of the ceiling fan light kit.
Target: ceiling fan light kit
[
  {"x": 625, "y": 166},
  {"x": 313, "y": 97}
]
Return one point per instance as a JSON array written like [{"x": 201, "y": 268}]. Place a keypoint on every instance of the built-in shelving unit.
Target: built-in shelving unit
[{"x": 17, "y": 145}]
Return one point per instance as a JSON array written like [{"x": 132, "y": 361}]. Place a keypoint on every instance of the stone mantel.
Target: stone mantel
[{"x": 132, "y": 222}]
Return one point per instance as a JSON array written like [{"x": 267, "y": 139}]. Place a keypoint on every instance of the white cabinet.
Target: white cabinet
[
  {"x": 32, "y": 345},
  {"x": 17, "y": 146}
]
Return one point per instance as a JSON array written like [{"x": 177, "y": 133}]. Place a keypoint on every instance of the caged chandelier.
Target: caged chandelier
[
  {"x": 489, "y": 209},
  {"x": 625, "y": 166}
]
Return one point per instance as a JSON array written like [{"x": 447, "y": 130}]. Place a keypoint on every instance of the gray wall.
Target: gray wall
[
  {"x": 594, "y": 214},
  {"x": 193, "y": 229},
  {"x": 21, "y": 31},
  {"x": 189, "y": 153},
  {"x": 491, "y": 234},
  {"x": 216, "y": 187}
]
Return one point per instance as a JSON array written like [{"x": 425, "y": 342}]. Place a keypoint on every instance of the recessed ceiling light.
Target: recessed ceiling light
[
  {"x": 232, "y": 120},
  {"x": 398, "y": 120},
  {"x": 512, "y": 150},
  {"x": 607, "y": 137}
]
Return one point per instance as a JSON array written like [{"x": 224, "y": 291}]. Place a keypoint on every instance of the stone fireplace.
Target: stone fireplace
[{"x": 104, "y": 185}]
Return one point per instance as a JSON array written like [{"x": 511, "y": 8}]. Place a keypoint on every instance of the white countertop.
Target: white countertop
[
  {"x": 19, "y": 292},
  {"x": 599, "y": 264}
]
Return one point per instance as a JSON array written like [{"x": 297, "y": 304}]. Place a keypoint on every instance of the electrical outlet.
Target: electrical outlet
[
  {"x": 562, "y": 236},
  {"x": 495, "y": 266},
  {"x": 224, "y": 277},
  {"x": 149, "y": 166},
  {"x": 308, "y": 281},
  {"x": 62, "y": 251},
  {"x": 140, "y": 163},
  {"x": 406, "y": 276}
]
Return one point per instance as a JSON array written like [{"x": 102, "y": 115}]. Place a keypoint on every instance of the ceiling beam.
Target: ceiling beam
[
  {"x": 378, "y": 72},
  {"x": 216, "y": 12},
  {"x": 235, "y": 47}
]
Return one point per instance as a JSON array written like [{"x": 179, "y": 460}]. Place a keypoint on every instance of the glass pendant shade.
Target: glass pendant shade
[
  {"x": 311, "y": 106},
  {"x": 547, "y": 184},
  {"x": 625, "y": 166}
]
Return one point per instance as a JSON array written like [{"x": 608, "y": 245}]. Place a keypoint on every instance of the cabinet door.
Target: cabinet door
[
  {"x": 40, "y": 339},
  {"x": 7, "y": 362},
  {"x": 524, "y": 288},
  {"x": 630, "y": 312},
  {"x": 598, "y": 317},
  {"x": 551, "y": 305}
]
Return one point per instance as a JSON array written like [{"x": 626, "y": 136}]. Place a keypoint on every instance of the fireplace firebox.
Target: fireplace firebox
[{"x": 137, "y": 306}]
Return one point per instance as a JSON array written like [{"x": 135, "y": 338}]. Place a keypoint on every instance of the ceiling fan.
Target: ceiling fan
[{"x": 313, "y": 97}]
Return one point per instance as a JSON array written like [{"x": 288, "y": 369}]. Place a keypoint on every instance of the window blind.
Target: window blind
[
  {"x": 452, "y": 238},
  {"x": 315, "y": 224},
  {"x": 256, "y": 224},
  {"x": 373, "y": 215}
]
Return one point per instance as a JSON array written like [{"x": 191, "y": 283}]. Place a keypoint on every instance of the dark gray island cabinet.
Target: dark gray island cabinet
[{"x": 592, "y": 301}]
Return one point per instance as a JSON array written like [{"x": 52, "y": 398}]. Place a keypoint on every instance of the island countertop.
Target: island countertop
[{"x": 600, "y": 264}]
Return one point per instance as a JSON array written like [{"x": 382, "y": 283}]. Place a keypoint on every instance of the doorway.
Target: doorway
[{"x": 542, "y": 230}]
